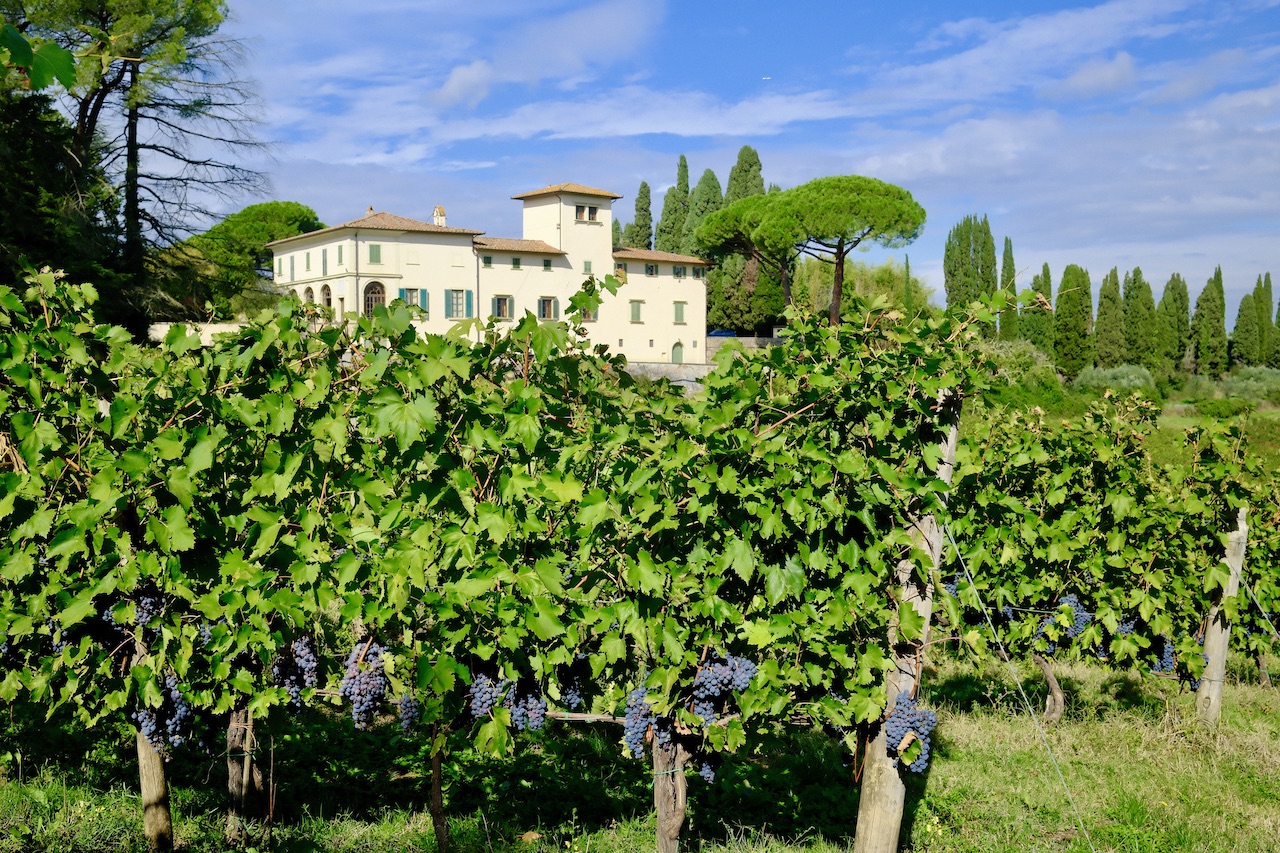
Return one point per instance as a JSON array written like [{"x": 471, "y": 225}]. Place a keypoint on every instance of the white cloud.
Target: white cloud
[{"x": 1097, "y": 77}]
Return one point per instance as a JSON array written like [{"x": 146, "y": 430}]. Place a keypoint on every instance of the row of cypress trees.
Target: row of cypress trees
[{"x": 1130, "y": 327}]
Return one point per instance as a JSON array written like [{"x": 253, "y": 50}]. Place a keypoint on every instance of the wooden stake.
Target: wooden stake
[{"x": 1217, "y": 636}]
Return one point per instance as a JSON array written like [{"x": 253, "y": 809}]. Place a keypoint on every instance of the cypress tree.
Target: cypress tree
[
  {"x": 969, "y": 264},
  {"x": 1262, "y": 302},
  {"x": 705, "y": 198},
  {"x": 1140, "y": 328},
  {"x": 1109, "y": 344},
  {"x": 617, "y": 233},
  {"x": 1244, "y": 337},
  {"x": 675, "y": 206},
  {"x": 1010, "y": 329},
  {"x": 746, "y": 178},
  {"x": 639, "y": 234},
  {"x": 988, "y": 274},
  {"x": 1073, "y": 322},
  {"x": 908, "y": 305},
  {"x": 1036, "y": 321},
  {"x": 1209, "y": 328},
  {"x": 1174, "y": 313}
]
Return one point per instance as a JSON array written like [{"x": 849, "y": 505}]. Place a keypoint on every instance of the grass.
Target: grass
[{"x": 1145, "y": 776}]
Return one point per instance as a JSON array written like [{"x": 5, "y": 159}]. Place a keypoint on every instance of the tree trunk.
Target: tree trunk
[
  {"x": 1055, "y": 703},
  {"x": 837, "y": 285},
  {"x": 436, "y": 804},
  {"x": 1264, "y": 677},
  {"x": 134, "y": 256},
  {"x": 883, "y": 795},
  {"x": 1217, "y": 636},
  {"x": 157, "y": 821},
  {"x": 670, "y": 794},
  {"x": 244, "y": 776}
]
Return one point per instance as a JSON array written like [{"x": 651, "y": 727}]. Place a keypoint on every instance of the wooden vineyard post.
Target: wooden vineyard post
[
  {"x": 244, "y": 777},
  {"x": 157, "y": 821},
  {"x": 1217, "y": 636},
  {"x": 883, "y": 796}
]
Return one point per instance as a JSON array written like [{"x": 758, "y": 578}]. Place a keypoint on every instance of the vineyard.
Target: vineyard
[{"x": 463, "y": 545}]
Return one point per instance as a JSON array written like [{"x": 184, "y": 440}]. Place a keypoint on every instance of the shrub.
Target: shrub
[
  {"x": 1126, "y": 377},
  {"x": 1019, "y": 363},
  {"x": 1223, "y": 409},
  {"x": 1199, "y": 387},
  {"x": 1254, "y": 383}
]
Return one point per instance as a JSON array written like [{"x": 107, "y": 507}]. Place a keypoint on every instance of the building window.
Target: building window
[
  {"x": 374, "y": 295},
  {"x": 308, "y": 295},
  {"x": 650, "y": 343},
  {"x": 586, "y": 267},
  {"x": 699, "y": 272},
  {"x": 635, "y": 310},
  {"x": 590, "y": 315},
  {"x": 650, "y": 269},
  {"x": 580, "y": 212},
  {"x": 326, "y": 297},
  {"x": 592, "y": 213},
  {"x": 324, "y": 262},
  {"x": 546, "y": 265},
  {"x": 375, "y": 253},
  {"x": 548, "y": 308},
  {"x": 306, "y": 261},
  {"x": 515, "y": 263},
  {"x": 620, "y": 266},
  {"x": 486, "y": 261},
  {"x": 339, "y": 255},
  {"x": 291, "y": 267},
  {"x": 409, "y": 295},
  {"x": 457, "y": 304},
  {"x": 679, "y": 319},
  {"x": 504, "y": 307},
  {"x": 279, "y": 266},
  {"x": 678, "y": 272}
]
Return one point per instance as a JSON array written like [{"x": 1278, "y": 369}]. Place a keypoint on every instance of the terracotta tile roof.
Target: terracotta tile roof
[
  {"x": 503, "y": 244},
  {"x": 385, "y": 222},
  {"x": 578, "y": 189},
  {"x": 625, "y": 254}
]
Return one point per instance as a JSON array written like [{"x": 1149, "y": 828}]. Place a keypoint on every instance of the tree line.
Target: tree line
[{"x": 1129, "y": 327}]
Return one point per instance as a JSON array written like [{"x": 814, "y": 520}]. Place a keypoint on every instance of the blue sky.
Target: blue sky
[{"x": 1124, "y": 133}]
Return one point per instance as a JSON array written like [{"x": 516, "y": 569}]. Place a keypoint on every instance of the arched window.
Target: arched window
[
  {"x": 308, "y": 295},
  {"x": 326, "y": 296},
  {"x": 375, "y": 294}
]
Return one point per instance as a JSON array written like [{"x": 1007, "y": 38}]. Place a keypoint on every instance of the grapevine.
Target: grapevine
[{"x": 365, "y": 683}]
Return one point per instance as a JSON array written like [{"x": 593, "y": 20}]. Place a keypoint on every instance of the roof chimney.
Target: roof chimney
[
  {"x": 369, "y": 212},
  {"x": 437, "y": 215}
]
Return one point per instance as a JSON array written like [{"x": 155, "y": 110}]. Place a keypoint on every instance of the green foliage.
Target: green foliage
[
  {"x": 736, "y": 298},
  {"x": 1253, "y": 383},
  {"x": 705, "y": 199},
  {"x": 38, "y": 60},
  {"x": 639, "y": 232},
  {"x": 1037, "y": 315},
  {"x": 675, "y": 207},
  {"x": 1173, "y": 322},
  {"x": 1073, "y": 322},
  {"x": 1245, "y": 345},
  {"x": 746, "y": 177},
  {"x": 1110, "y": 349},
  {"x": 814, "y": 279},
  {"x": 1140, "y": 324},
  {"x": 1264, "y": 304},
  {"x": 1124, "y": 378},
  {"x": 969, "y": 263},
  {"x": 1208, "y": 328},
  {"x": 1223, "y": 409},
  {"x": 1010, "y": 330}
]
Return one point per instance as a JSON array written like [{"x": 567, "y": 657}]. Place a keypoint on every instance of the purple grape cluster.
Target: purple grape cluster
[
  {"x": 1163, "y": 648},
  {"x": 485, "y": 694},
  {"x": 716, "y": 680},
  {"x": 952, "y": 585},
  {"x": 904, "y": 719},
  {"x": 206, "y": 635},
  {"x": 528, "y": 712},
  {"x": 167, "y": 725},
  {"x": 706, "y": 770},
  {"x": 1080, "y": 618},
  {"x": 637, "y": 722},
  {"x": 295, "y": 668},
  {"x": 408, "y": 712},
  {"x": 149, "y": 603},
  {"x": 365, "y": 683}
]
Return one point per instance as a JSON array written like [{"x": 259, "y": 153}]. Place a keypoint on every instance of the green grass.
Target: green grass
[
  {"x": 1144, "y": 774},
  {"x": 1261, "y": 428}
]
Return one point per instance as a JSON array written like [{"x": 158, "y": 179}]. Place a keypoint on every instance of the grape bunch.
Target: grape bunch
[
  {"x": 952, "y": 585},
  {"x": 706, "y": 770},
  {"x": 905, "y": 719},
  {"x": 149, "y": 603},
  {"x": 485, "y": 694},
  {"x": 1080, "y": 618},
  {"x": 1163, "y": 647},
  {"x": 57, "y": 640},
  {"x": 206, "y": 635},
  {"x": 638, "y": 720},
  {"x": 528, "y": 711},
  {"x": 365, "y": 683},
  {"x": 295, "y": 668},
  {"x": 716, "y": 680},
  {"x": 408, "y": 712},
  {"x": 572, "y": 695},
  {"x": 167, "y": 725}
]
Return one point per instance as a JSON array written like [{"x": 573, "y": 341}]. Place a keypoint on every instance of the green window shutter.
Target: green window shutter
[
  {"x": 470, "y": 309},
  {"x": 403, "y": 295},
  {"x": 555, "y": 308},
  {"x": 422, "y": 299},
  {"x": 339, "y": 255},
  {"x": 375, "y": 253},
  {"x": 493, "y": 307}
]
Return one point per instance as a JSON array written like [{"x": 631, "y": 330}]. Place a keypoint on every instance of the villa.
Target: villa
[{"x": 452, "y": 274}]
